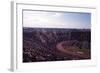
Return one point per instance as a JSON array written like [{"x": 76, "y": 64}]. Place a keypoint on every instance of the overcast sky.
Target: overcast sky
[{"x": 56, "y": 19}]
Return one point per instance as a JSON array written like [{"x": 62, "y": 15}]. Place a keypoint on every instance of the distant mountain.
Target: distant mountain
[{"x": 28, "y": 29}]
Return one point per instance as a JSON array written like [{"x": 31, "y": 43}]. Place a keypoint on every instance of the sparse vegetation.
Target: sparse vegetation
[{"x": 41, "y": 44}]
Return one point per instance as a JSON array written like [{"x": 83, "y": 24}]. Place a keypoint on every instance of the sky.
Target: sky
[{"x": 47, "y": 19}]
